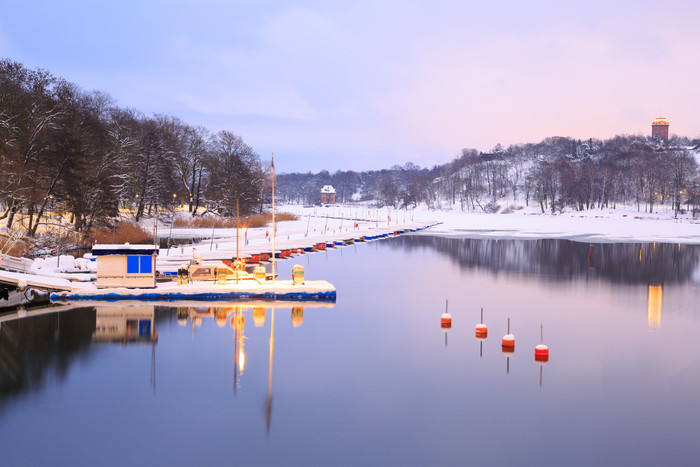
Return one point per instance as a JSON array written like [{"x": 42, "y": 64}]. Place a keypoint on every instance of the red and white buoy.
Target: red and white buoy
[
  {"x": 481, "y": 333},
  {"x": 446, "y": 319},
  {"x": 541, "y": 350},
  {"x": 481, "y": 330},
  {"x": 541, "y": 354},
  {"x": 508, "y": 341},
  {"x": 446, "y": 322},
  {"x": 508, "y": 347}
]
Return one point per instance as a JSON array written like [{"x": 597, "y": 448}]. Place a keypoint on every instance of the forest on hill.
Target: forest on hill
[
  {"x": 556, "y": 173},
  {"x": 66, "y": 150},
  {"x": 76, "y": 158}
]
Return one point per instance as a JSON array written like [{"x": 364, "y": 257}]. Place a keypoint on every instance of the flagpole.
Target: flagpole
[{"x": 274, "y": 232}]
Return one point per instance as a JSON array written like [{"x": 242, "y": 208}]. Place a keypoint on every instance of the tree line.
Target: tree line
[
  {"x": 555, "y": 174},
  {"x": 66, "y": 150}
]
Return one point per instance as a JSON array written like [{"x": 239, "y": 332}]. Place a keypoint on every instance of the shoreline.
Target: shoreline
[{"x": 622, "y": 225}]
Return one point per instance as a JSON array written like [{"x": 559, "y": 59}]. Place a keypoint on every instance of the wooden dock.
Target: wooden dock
[{"x": 23, "y": 280}]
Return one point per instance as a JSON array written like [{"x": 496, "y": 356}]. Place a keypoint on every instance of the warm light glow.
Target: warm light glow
[
  {"x": 660, "y": 121},
  {"x": 655, "y": 299},
  {"x": 297, "y": 316},
  {"x": 238, "y": 321},
  {"x": 241, "y": 359},
  {"x": 259, "y": 316}
]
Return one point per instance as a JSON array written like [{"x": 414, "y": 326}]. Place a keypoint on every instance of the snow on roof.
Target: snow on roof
[
  {"x": 328, "y": 189},
  {"x": 122, "y": 249}
]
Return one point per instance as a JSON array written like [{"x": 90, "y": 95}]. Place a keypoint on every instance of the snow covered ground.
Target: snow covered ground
[
  {"x": 328, "y": 223},
  {"x": 595, "y": 225}
]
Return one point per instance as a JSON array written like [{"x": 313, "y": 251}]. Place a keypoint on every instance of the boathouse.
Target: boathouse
[
  {"x": 328, "y": 194},
  {"x": 131, "y": 266}
]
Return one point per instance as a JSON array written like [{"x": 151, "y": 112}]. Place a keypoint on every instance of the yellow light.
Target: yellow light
[{"x": 654, "y": 309}]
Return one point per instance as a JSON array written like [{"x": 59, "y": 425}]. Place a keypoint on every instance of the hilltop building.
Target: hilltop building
[
  {"x": 659, "y": 128},
  {"x": 328, "y": 194}
]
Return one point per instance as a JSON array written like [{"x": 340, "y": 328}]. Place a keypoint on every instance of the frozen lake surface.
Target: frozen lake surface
[{"x": 374, "y": 379}]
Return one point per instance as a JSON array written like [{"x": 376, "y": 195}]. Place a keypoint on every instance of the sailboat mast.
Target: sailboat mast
[{"x": 274, "y": 233}]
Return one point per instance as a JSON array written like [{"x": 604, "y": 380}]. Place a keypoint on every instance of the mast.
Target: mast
[
  {"x": 274, "y": 233},
  {"x": 238, "y": 255}
]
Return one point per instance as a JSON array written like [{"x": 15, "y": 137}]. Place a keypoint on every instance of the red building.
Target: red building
[
  {"x": 659, "y": 128},
  {"x": 328, "y": 194}
]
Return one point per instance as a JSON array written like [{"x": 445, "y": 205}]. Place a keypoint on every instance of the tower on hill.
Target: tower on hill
[{"x": 659, "y": 128}]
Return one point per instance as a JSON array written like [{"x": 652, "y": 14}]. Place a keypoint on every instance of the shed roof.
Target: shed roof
[{"x": 124, "y": 249}]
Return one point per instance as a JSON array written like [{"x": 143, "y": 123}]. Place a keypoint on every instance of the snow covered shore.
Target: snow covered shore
[
  {"x": 321, "y": 223},
  {"x": 596, "y": 225}
]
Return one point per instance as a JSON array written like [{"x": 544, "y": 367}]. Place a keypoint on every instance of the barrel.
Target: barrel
[{"x": 259, "y": 273}]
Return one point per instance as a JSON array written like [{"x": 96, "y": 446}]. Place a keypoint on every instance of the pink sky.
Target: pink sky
[{"x": 365, "y": 85}]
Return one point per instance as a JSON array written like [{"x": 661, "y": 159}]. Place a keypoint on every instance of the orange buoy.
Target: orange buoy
[
  {"x": 446, "y": 322},
  {"x": 508, "y": 347},
  {"x": 481, "y": 330},
  {"x": 541, "y": 350},
  {"x": 446, "y": 319},
  {"x": 509, "y": 339}
]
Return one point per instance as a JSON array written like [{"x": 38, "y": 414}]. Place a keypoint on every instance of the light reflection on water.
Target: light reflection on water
[{"x": 371, "y": 380}]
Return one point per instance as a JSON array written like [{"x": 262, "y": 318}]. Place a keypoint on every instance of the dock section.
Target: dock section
[
  {"x": 278, "y": 290},
  {"x": 23, "y": 280}
]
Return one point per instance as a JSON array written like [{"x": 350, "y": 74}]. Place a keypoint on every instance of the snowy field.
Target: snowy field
[
  {"x": 337, "y": 222},
  {"x": 595, "y": 225}
]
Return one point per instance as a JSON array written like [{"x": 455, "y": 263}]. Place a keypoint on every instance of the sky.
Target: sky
[{"x": 360, "y": 85}]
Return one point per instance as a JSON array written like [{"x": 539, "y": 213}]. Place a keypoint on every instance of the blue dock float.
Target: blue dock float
[{"x": 207, "y": 291}]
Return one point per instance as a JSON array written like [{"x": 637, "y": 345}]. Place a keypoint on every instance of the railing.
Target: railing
[{"x": 10, "y": 263}]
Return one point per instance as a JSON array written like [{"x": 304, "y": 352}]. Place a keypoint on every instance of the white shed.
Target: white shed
[{"x": 131, "y": 266}]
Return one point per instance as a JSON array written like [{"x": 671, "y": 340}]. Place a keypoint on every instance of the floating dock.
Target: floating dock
[
  {"x": 168, "y": 262},
  {"x": 278, "y": 290}
]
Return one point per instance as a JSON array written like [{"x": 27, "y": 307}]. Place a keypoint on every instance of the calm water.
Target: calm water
[{"x": 374, "y": 380}]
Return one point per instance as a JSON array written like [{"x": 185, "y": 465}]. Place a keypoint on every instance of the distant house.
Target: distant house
[
  {"x": 131, "y": 266},
  {"x": 328, "y": 194}
]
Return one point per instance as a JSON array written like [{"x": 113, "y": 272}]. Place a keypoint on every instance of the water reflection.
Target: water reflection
[
  {"x": 38, "y": 346},
  {"x": 374, "y": 371},
  {"x": 655, "y": 300},
  {"x": 563, "y": 260},
  {"x": 125, "y": 324},
  {"x": 41, "y": 344}
]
